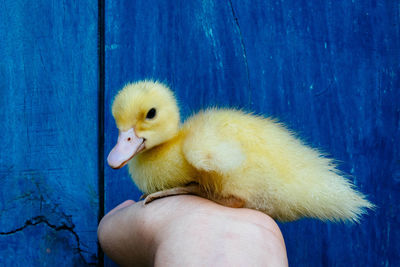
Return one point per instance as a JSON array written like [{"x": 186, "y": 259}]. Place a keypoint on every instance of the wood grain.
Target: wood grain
[
  {"x": 48, "y": 164},
  {"x": 329, "y": 70}
]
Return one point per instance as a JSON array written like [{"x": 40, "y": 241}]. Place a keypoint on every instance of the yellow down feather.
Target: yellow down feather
[{"x": 232, "y": 153}]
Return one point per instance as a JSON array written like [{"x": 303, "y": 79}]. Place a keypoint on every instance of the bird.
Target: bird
[{"x": 229, "y": 156}]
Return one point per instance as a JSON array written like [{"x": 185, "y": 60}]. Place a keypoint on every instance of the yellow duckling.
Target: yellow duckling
[{"x": 228, "y": 156}]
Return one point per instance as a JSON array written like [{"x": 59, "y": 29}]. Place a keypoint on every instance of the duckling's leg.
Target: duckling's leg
[
  {"x": 191, "y": 189},
  {"x": 195, "y": 189},
  {"x": 231, "y": 201}
]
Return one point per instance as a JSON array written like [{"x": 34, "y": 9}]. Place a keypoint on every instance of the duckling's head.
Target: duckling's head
[{"x": 146, "y": 114}]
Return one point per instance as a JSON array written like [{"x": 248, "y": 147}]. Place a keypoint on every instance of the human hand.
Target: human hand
[{"x": 190, "y": 231}]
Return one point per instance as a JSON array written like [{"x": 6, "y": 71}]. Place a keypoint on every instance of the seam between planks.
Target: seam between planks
[{"x": 101, "y": 91}]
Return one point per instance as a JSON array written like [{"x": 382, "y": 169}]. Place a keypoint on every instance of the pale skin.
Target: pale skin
[{"x": 188, "y": 230}]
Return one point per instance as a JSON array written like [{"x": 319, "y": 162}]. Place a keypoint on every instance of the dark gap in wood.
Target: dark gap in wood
[{"x": 101, "y": 91}]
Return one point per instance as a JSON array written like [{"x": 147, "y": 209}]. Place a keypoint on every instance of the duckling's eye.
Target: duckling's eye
[{"x": 151, "y": 114}]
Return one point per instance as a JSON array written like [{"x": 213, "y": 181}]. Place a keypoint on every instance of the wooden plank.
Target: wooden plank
[
  {"x": 329, "y": 70},
  {"x": 48, "y": 164},
  {"x": 182, "y": 45}
]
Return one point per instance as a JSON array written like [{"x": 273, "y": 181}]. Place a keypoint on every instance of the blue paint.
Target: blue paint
[
  {"x": 329, "y": 70},
  {"x": 48, "y": 163},
  {"x": 45, "y": 252}
]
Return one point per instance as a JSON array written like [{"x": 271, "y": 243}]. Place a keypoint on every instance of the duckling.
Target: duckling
[{"x": 228, "y": 156}]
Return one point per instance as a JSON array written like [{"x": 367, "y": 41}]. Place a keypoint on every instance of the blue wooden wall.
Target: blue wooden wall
[
  {"x": 49, "y": 147},
  {"x": 330, "y": 70}
]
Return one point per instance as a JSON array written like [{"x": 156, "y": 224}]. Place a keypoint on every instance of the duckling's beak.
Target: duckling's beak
[{"x": 128, "y": 145}]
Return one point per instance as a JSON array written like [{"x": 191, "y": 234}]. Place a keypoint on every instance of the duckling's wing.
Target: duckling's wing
[{"x": 207, "y": 150}]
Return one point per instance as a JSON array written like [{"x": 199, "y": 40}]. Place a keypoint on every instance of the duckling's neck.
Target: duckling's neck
[
  {"x": 162, "y": 167},
  {"x": 169, "y": 148}
]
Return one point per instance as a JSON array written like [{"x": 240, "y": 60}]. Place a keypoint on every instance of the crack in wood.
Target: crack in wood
[
  {"x": 63, "y": 227},
  {"x": 242, "y": 45}
]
